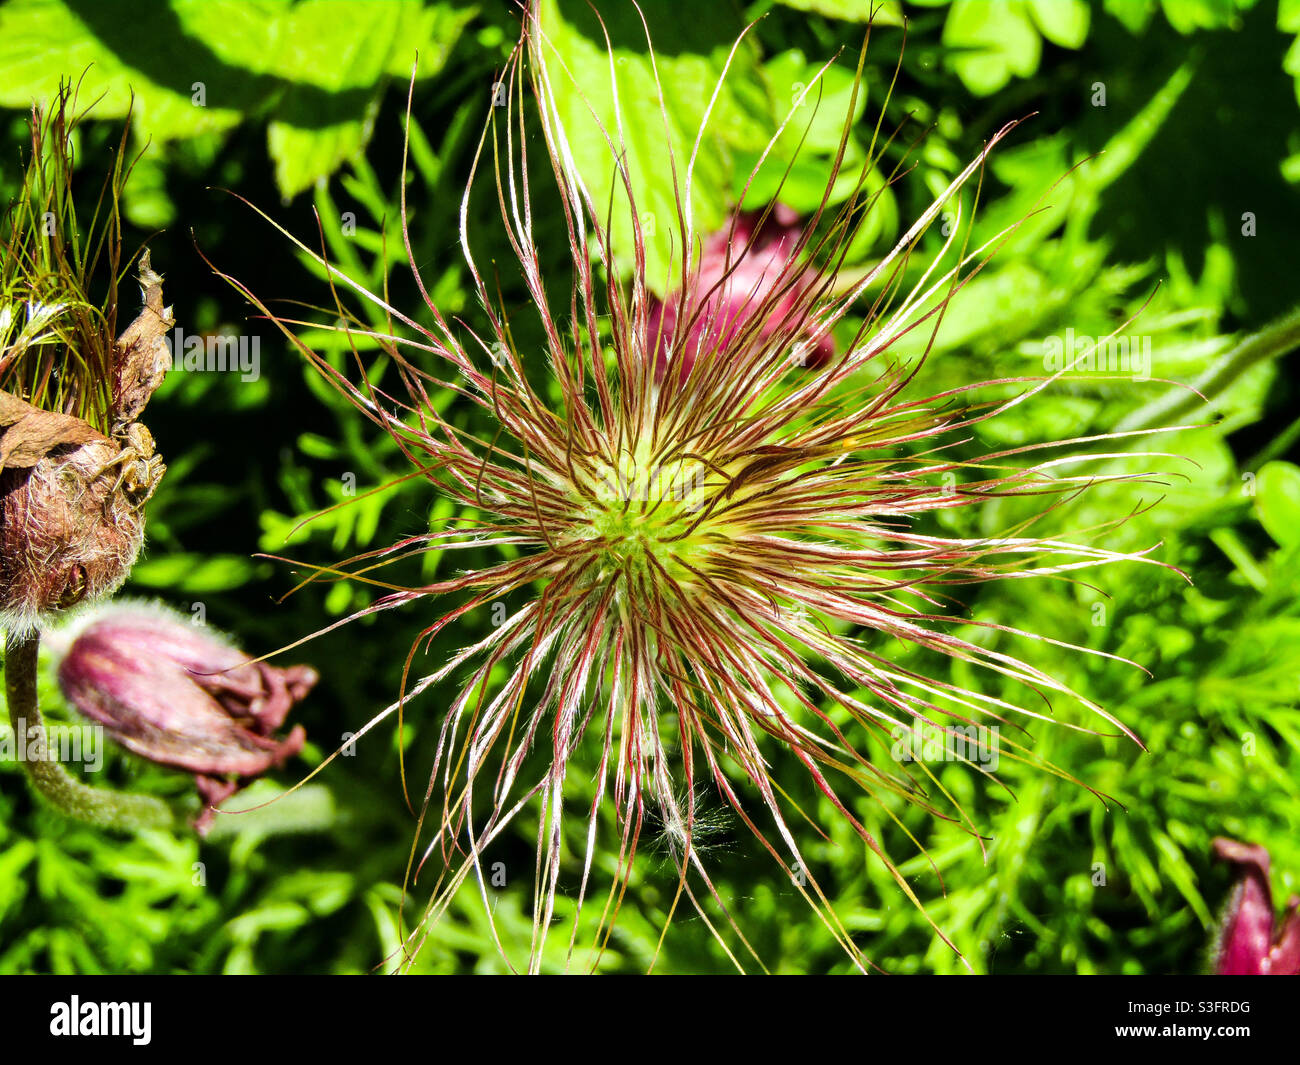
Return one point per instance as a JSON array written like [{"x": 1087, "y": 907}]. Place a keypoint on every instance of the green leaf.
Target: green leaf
[
  {"x": 337, "y": 56},
  {"x": 266, "y": 809},
  {"x": 888, "y": 13},
  {"x": 1187, "y": 16},
  {"x": 430, "y": 31},
  {"x": 1133, "y": 14},
  {"x": 157, "y": 58},
  {"x": 990, "y": 43},
  {"x": 798, "y": 165},
  {"x": 146, "y": 203},
  {"x": 1063, "y": 22},
  {"x": 198, "y": 67},
  {"x": 819, "y": 119},
  {"x": 1277, "y": 502},
  {"x": 689, "y": 58},
  {"x": 193, "y": 573}
]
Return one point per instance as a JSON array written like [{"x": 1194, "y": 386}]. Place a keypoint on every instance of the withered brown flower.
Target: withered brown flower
[{"x": 76, "y": 465}]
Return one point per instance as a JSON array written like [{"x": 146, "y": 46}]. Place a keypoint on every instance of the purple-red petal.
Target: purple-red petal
[
  {"x": 181, "y": 696},
  {"x": 747, "y": 281},
  {"x": 1246, "y": 934},
  {"x": 1284, "y": 958}
]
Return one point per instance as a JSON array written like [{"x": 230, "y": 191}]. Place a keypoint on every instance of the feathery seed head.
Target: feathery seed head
[{"x": 719, "y": 539}]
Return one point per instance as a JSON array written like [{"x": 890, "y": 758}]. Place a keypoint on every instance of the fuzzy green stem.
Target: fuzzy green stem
[
  {"x": 99, "y": 806},
  {"x": 1270, "y": 342}
]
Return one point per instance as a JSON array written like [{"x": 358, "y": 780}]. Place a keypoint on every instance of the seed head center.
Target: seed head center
[{"x": 647, "y": 511}]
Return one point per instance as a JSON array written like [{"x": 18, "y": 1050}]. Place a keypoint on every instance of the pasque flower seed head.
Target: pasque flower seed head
[{"x": 712, "y": 509}]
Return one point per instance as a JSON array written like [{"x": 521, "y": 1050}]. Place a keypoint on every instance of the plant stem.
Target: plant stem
[
  {"x": 1273, "y": 340},
  {"x": 99, "y": 806}
]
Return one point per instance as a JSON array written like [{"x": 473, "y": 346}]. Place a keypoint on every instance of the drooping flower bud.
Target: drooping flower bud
[
  {"x": 733, "y": 288},
  {"x": 1247, "y": 945},
  {"x": 179, "y": 695}
]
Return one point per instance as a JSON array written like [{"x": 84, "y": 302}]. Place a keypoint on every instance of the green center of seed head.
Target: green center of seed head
[{"x": 645, "y": 510}]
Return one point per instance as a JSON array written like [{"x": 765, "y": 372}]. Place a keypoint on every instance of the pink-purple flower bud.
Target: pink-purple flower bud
[
  {"x": 177, "y": 694},
  {"x": 741, "y": 269},
  {"x": 1247, "y": 944}
]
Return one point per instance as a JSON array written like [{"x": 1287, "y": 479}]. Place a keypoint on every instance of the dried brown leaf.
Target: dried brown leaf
[
  {"x": 31, "y": 433},
  {"x": 142, "y": 357}
]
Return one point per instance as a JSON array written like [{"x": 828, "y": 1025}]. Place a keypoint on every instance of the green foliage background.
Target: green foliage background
[{"x": 1165, "y": 125}]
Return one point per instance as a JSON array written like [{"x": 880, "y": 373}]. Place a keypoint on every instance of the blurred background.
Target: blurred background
[{"x": 1162, "y": 160}]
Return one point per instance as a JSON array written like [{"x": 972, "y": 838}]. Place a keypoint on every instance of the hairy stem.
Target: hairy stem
[
  {"x": 1275, "y": 339},
  {"x": 99, "y": 806}
]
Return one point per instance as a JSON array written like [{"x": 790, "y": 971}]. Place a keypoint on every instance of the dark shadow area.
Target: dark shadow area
[
  {"x": 676, "y": 30},
  {"x": 1240, "y": 107}
]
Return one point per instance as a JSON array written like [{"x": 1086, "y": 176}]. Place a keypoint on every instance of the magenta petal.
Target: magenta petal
[
  {"x": 1247, "y": 931},
  {"x": 747, "y": 288},
  {"x": 181, "y": 696},
  {"x": 1284, "y": 958},
  {"x": 152, "y": 707},
  {"x": 1246, "y": 935}
]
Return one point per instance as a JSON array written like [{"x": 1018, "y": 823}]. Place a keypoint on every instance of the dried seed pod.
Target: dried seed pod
[
  {"x": 71, "y": 499},
  {"x": 68, "y": 532}
]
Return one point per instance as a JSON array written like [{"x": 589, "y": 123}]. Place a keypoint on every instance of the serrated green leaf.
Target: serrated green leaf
[
  {"x": 196, "y": 67},
  {"x": 158, "y": 59},
  {"x": 690, "y": 56}
]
